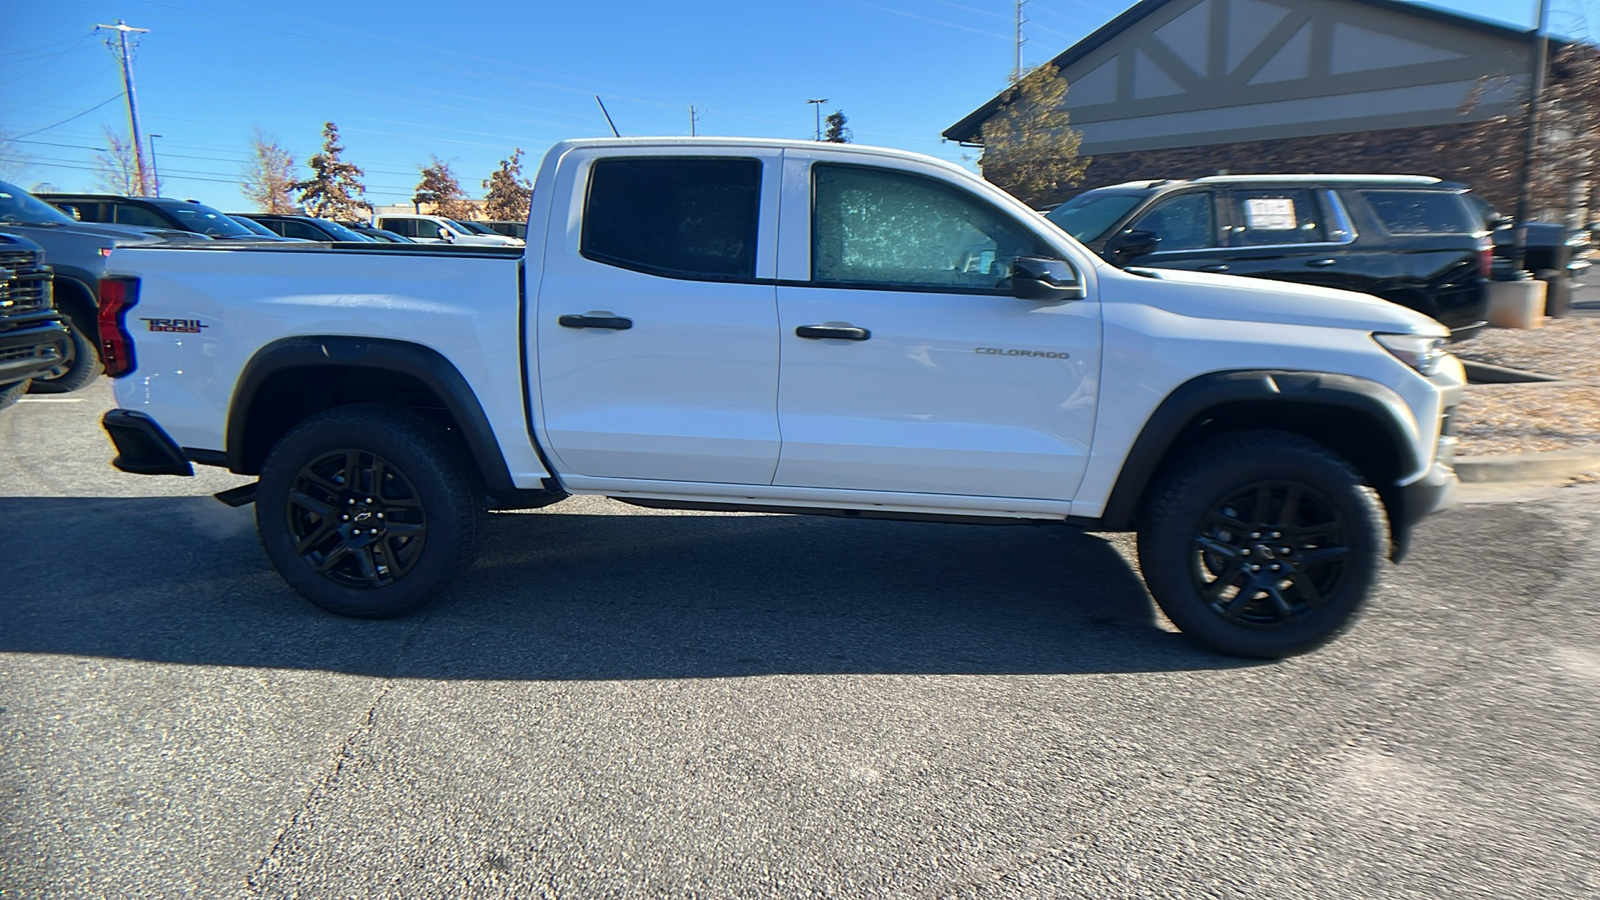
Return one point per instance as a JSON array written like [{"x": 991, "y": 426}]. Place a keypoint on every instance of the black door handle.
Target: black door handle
[
  {"x": 615, "y": 323},
  {"x": 1319, "y": 263},
  {"x": 832, "y": 333},
  {"x": 1215, "y": 267}
]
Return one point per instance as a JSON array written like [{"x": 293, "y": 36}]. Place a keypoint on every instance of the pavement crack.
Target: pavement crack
[{"x": 346, "y": 754}]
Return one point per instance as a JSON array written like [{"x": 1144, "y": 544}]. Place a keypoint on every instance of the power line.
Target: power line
[{"x": 68, "y": 118}]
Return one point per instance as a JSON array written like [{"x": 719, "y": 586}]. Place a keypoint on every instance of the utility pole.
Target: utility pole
[
  {"x": 125, "y": 54},
  {"x": 1541, "y": 54},
  {"x": 1016, "y": 68},
  {"x": 693, "y": 118},
  {"x": 818, "y": 105},
  {"x": 155, "y": 170}
]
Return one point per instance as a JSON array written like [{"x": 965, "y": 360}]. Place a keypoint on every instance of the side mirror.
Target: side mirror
[
  {"x": 1045, "y": 279},
  {"x": 1131, "y": 244},
  {"x": 447, "y": 235}
]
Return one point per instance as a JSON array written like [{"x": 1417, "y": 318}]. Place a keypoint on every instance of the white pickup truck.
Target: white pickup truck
[{"x": 794, "y": 327}]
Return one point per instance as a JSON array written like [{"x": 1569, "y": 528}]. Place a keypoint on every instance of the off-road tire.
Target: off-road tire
[
  {"x": 377, "y": 496},
  {"x": 11, "y": 393},
  {"x": 1557, "y": 292},
  {"x": 80, "y": 367},
  {"x": 1212, "y": 516}
]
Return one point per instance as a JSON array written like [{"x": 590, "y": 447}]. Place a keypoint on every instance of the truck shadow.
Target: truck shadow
[{"x": 593, "y": 595}]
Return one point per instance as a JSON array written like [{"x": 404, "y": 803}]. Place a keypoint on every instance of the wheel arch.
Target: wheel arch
[
  {"x": 1352, "y": 416},
  {"x": 293, "y": 378},
  {"x": 75, "y": 297}
]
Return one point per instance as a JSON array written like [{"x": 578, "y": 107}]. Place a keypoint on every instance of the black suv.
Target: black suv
[
  {"x": 33, "y": 342},
  {"x": 150, "y": 212},
  {"x": 305, "y": 228},
  {"x": 1409, "y": 239}
]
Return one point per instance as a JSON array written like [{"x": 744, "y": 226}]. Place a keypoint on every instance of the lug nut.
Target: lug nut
[
  {"x": 1275, "y": 534},
  {"x": 352, "y": 501},
  {"x": 380, "y": 515},
  {"x": 1285, "y": 551},
  {"x": 346, "y": 518},
  {"x": 1275, "y": 567},
  {"x": 1245, "y": 552},
  {"x": 1255, "y": 535},
  {"x": 369, "y": 500}
]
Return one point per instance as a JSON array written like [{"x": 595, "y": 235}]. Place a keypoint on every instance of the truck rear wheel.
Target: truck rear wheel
[
  {"x": 1262, "y": 544},
  {"x": 368, "y": 510}
]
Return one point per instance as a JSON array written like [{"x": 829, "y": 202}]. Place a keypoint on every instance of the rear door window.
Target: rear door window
[
  {"x": 1422, "y": 212},
  {"x": 127, "y": 214},
  {"x": 681, "y": 217},
  {"x": 1267, "y": 217}
]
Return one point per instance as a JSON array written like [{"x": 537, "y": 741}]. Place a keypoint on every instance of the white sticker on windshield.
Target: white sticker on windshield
[{"x": 1269, "y": 214}]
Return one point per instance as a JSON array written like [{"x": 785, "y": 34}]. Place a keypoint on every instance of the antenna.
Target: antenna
[{"x": 613, "y": 125}]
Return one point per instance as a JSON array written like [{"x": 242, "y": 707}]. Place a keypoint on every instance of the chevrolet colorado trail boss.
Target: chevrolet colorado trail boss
[{"x": 793, "y": 327}]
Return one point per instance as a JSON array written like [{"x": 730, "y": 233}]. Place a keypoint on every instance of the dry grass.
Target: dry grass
[{"x": 1522, "y": 418}]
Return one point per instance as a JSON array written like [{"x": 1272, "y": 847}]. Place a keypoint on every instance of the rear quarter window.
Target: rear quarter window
[
  {"x": 680, "y": 217},
  {"x": 1422, "y": 212}
]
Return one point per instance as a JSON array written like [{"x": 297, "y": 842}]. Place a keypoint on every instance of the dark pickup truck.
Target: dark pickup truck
[{"x": 32, "y": 339}]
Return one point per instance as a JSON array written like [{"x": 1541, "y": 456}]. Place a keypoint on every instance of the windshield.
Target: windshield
[
  {"x": 1088, "y": 217},
  {"x": 205, "y": 220},
  {"x": 19, "y": 207},
  {"x": 473, "y": 227}
]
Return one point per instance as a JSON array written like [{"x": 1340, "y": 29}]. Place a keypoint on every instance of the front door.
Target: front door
[
  {"x": 907, "y": 365},
  {"x": 657, "y": 324}
]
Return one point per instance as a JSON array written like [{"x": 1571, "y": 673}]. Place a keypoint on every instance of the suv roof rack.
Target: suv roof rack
[{"x": 1341, "y": 178}]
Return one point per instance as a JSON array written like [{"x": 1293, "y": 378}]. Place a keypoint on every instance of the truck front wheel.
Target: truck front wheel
[
  {"x": 1261, "y": 544},
  {"x": 368, "y": 510}
]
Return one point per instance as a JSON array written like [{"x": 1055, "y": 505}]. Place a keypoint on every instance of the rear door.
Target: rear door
[
  {"x": 656, "y": 321},
  {"x": 1293, "y": 233}
]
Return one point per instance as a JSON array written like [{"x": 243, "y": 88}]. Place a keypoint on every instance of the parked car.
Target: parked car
[
  {"x": 258, "y": 229},
  {"x": 151, "y": 212},
  {"x": 439, "y": 230},
  {"x": 32, "y": 339},
  {"x": 305, "y": 228},
  {"x": 933, "y": 350},
  {"x": 518, "y": 230},
  {"x": 377, "y": 234},
  {"x": 76, "y": 252},
  {"x": 1413, "y": 240}
]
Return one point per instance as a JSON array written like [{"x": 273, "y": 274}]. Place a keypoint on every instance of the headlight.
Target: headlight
[{"x": 1419, "y": 351}]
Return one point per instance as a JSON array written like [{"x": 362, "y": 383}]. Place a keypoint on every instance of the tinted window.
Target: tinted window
[
  {"x": 401, "y": 227},
  {"x": 1088, "y": 217},
  {"x": 877, "y": 227},
  {"x": 205, "y": 220},
  {"x": 1184, "y": 222},
  {"x": 679, "y": 217},
  {"x": 1267, "y": 217},
  {"x": 291, "y": 228},
  {"x": 1422, "y": 212},
  {"x": 138, "y": 215}
]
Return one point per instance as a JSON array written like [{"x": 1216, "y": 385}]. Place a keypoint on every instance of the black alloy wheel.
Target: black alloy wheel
[
  {"x": 369, "y": 510},
  {"x": 1270, "y": 554},
  {"x": 356, "y": 519},
  {"x": 1261, "y": 544}
]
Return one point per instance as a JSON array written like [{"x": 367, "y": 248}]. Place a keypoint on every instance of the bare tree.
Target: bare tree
[
  {"x": 1028, "y": 148},
  {"x": 507, "y": 192},
  {"x": 334, "y": 190},
  {"x": 442, "y": 187},
  {"x": 14, "y": 161},
  {"x": 116, "y": 171},
  {"x": 269, "y": 175}
]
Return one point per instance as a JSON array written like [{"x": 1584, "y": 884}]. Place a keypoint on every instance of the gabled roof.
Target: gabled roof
[{"x": 969, "y": 129}]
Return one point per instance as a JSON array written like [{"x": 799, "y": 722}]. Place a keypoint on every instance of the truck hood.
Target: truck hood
[
  {"x": 121, "y": 234},
  {"x": 1232, "y": 297}
]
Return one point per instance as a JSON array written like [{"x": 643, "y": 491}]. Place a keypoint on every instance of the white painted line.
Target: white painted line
[{"x": 52, "y": 400}]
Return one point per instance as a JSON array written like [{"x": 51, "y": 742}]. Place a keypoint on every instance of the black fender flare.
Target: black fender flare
[
  {"x": 1191, "y": 400},
  {"x": 423, "y": 363}
]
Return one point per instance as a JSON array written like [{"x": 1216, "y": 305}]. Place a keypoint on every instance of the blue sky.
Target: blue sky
[{"x": 469, "y": 80}]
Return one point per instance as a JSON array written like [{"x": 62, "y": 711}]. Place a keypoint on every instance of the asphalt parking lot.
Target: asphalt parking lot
[{"x": 628, "y": 703}]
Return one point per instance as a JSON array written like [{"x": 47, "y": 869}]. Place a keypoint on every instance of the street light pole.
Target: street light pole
[
  {"x": 155, "y": 170},
  {"x": 1541, "y": 54},
  {"x": 818, "y": 105}
]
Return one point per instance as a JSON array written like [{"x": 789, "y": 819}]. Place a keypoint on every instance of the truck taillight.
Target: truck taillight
[{"x": 117, "y": 296}]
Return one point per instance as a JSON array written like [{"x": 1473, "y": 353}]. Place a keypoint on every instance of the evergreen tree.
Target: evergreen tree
[
  {"x": 334, "y": 190},
  {"x": 1028, "y": 150},
  {"x": 833, "y": 128},
  {"x": 269, "y": 175},
  {"x": 508, "y": 193},
  {"x": 443, "y": 189}
]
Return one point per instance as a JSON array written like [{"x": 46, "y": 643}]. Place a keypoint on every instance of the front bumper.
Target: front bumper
[
  {"x": 33, "y": 347},
  {"x": 1435, "y": 490},
  {"x": 143, "y": 448}
]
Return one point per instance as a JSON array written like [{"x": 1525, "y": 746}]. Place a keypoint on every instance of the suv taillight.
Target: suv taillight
[
  {"x": 117, "y": 296},
  {"x": 1486, "y": 257}
]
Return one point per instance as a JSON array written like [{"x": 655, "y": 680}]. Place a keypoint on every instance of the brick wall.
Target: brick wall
[{"x": 1488, "y": 157}]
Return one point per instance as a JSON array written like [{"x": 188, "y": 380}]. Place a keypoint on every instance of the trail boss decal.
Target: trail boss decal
[
  {"x": 181, "y": 326},
  {"x": 1004, "y": 351}
]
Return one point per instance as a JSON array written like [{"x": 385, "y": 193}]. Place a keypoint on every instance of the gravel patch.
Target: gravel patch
[{"x": 1530, "y": 417}]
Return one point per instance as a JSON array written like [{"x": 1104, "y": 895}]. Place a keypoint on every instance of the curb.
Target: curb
[{"x": 1551, "y": 465}]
